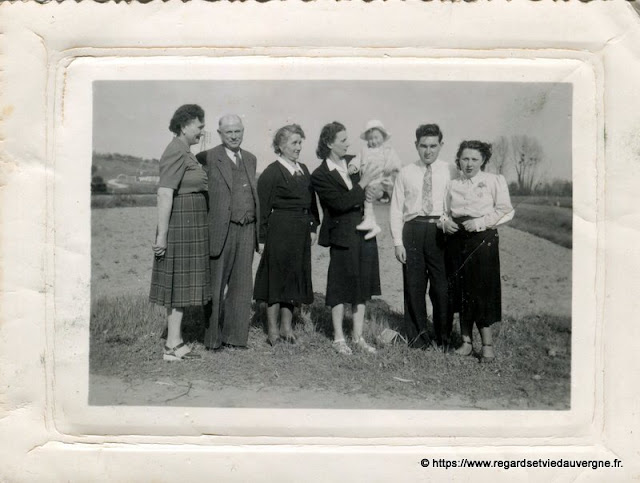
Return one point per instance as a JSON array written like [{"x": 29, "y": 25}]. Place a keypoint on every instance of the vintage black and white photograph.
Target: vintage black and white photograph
[{"x": 331, "y": 244}]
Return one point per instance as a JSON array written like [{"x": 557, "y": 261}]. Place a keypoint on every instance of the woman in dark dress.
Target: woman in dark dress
[
  {"x": 354, "y": 275},
  {"x": 289, "y": 218},
  {"x": 477, "y": 202},
  {"x": 180, "y": 276}
]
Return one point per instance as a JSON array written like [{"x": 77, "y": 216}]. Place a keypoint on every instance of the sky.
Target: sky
[{"x": 132, "y": 117}]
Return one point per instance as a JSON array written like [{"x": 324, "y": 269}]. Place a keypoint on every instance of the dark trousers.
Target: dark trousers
[
  {"x": 425, "y": 247},
  {"x": 228, "y": 316}
]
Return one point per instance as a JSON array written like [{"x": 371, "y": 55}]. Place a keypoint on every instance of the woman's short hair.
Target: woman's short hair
[
  {"x": 483, "y": 148},
  {"x": 428, "y": 130},
  {"x": 327, "y": 136},
  {"x": 183, "y": 116},
  {"x": 283, "y": 134}
]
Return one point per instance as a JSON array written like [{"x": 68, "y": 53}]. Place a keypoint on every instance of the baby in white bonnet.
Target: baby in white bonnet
[{"x": 378, "y": 153}]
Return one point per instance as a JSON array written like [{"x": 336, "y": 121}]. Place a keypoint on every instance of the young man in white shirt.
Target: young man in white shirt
[{"x": 416, "y": 207}]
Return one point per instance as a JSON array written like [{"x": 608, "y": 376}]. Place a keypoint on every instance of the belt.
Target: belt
[
  {"x": 425, "y": 219},
  {"x": 305, "y": 211},
  {"x": 462, "y": 219},
  {"x": 245, "y": 221}
]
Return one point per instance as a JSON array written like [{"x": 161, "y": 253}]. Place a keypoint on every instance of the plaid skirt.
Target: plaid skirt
[{"x": 182, "y": 278}]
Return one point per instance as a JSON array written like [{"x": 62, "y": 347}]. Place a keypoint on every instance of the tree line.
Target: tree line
[{"x": 525, "y": 156}]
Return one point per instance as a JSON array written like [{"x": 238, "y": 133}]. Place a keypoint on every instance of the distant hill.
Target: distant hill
[{"x": 114, "y": 172}]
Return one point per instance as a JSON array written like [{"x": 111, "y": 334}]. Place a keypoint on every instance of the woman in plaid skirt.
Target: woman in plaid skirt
[{"x": 180, "y": 275}]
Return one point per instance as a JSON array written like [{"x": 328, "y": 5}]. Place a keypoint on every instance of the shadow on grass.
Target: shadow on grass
[{"x": 316, "y": 317}]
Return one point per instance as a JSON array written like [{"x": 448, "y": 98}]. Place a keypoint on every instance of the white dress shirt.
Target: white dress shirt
[
  {"x": 291, "y": 169},
  {"x": 232, "y": 155},
  {"x": 484, "y": 197},
  {"x": 406, "y": 201},
  {"x": 342, "y": 170}
]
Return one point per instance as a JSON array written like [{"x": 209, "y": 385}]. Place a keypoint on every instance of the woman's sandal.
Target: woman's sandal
[
  {"x": 361, "y": 344},
  {"x": 289, "y": 338},
  {"x": 486, "y": 359},
  {"x": 459, "y": 351},
  {"x": 341, "y": 347},
  {"x": 180, "y": 352},
  {"x": 273, "y": 341}
]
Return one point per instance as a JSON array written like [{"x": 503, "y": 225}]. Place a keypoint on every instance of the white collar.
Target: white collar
[
  {"x": 335, "y": 166},
  {"x": 287, "y": 164},
  {"x": 232, "y": 155},
  {"x": 478, "y": 178},
  {"x": 424, "y": 166}
]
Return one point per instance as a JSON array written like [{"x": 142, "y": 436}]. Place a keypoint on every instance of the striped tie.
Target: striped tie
[{"x": 427, "y": 202}]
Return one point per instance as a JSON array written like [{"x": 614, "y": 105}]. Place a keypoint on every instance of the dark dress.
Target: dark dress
[
  {"x": 474, "y": 277},
  {"x": 181, "y": 277},
  {"x": 354, "y": 274},
  {"x": 289, "y": 216}
]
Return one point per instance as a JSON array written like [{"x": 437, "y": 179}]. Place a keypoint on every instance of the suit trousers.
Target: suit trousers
[
  {"x": 425, "y": 247},
  {"x": 228, "y": 316}
]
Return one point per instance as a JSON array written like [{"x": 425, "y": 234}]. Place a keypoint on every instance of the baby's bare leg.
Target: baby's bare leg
[{"x": 369, "y": 223}]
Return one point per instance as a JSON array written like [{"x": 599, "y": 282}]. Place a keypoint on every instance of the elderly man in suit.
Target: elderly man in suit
[{"x": 233, "y": 235}]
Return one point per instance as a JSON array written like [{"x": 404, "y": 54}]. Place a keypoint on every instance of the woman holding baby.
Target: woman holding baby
[{"x": 353, "y": 276}]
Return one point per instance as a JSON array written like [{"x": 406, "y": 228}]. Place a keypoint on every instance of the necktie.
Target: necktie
[
  {"x": 427, "y": 202},
  {"x": 237, "y": 156}
]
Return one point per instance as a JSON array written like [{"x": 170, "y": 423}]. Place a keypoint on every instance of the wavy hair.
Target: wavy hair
[
  {"x": 428, "y": 130},
  {"x": 283, "y": 134},
  {"x": 483, "y": 148},
  {"x": 327, "y": 136},
  {"x": 183, "y": 116}
]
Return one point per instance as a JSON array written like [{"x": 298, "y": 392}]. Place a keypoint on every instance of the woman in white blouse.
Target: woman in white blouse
[{"x": 476, "y": 203}]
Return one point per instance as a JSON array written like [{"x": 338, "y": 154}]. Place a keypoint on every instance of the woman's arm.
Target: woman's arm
[
  {"x": 336, "y": 200},
  {"x": 266, "y": 187},
  {"x": 165, "y": 203},
  {"x": 446, "y": 223},
  {"x": 503, "y": 211},
  {"x": 355, "y": 164}
]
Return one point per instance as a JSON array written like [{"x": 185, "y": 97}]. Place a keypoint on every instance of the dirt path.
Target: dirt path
[
  {"x": 113, "y": 391},
  {"x": 536, "y": 274}
]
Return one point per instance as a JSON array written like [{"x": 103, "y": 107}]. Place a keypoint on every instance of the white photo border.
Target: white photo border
[{"x": 71, "y": 193}]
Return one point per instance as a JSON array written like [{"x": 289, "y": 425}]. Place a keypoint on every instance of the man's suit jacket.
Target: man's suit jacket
[
  {"x": 218, "y": 167},
  {"x": 341, "y": 207}
]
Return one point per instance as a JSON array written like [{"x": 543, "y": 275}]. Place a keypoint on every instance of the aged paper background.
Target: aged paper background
[{"x": 50, "y": 55}]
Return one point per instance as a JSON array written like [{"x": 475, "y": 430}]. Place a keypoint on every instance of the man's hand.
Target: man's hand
[
  {"x": 401, "y": 254},
  {"x": 450, "y": 227},
  {"x": 260, "y": 248},
  {"x": 314, "y": 238},
  {"x": 353, "y": 169}
]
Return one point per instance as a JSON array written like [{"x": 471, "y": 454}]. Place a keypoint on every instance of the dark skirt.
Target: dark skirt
[
  {"x": 284, "y": 273},
  {"x": 181, "y": 278},
  {"x": 474, "y": 277},
  {"x": 354, "y": 273}
]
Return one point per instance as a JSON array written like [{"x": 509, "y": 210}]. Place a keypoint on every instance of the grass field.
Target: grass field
[
  {"x": 533, "y": 370},
  {"x": 550, "y": 218},
  {"x": 534, "y": 345}
]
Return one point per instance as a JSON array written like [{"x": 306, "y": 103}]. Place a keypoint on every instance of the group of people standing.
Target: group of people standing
[{"x": 213, "y": 216}]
